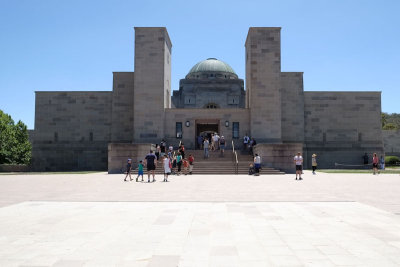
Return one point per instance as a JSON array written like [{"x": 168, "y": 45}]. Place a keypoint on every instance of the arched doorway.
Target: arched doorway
[{"x": 205, "y": 128}]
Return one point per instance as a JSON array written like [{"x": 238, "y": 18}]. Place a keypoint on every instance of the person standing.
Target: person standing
[
  {"x": 257, "y": 164},
  {"x": 365, "y": 158},
  {"x": 163, "y": 147},
  {"x": 158, "y": 152},
  {"x": 298, "y": 161},
  {"x": 212, "y": 143},
  {"x": 216, "y": 141},
  {"x": 246, "y": 140},
  {"x": 375, "y": 162},
  {"x": 200, "y": 141},
  {"x": 191, "y": 161},
  {"x": 151, "y": 163},
  {"x": 314, "y": 163},
  {"x": 382, "y": 162},
  {"x": 205, "y": 145},
  {"x": 222, "y": 145},
  {"x": 182, "y": 150},
  {"x": 167, "y": 167},
  {"x": 179, "y": 162},
  {"x": 128, "y": 169}
]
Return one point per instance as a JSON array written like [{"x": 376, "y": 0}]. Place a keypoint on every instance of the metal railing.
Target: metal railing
[{"x": 235, "y": 159}]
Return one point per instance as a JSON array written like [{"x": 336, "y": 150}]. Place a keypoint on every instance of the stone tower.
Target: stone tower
[
  {"x": 263, "y": 71},
  {"x": 152, "y": 83}
]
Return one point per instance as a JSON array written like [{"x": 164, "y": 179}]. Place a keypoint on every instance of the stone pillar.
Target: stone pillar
[
  {"x": 152, "y": 83},
  {"x": 263, "y": 70},
  {"x": 122, "y": 107}
]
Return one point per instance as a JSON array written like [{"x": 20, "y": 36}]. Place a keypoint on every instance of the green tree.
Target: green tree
[
  {"x": 15, "y": 147},
  {"x": 390, "y": 121},
  {"x": 389, "y": 126},
  {"x": 383, "y": 119}
]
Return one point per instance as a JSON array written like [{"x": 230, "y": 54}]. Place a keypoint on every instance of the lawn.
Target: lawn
[{"x": 395, "y": 170}]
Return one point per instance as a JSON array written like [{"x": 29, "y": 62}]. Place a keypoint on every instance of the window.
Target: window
[
  {"x": 211, "y": 105},
  {"x": 55, "y": 137},
  {"x": 235, "y": 129},
  {"x": 324, "y": 137},
  {"x": 178, "y": 130},
  {"x": 359, "y": 137},
  {"x": 91, "y": 136}
]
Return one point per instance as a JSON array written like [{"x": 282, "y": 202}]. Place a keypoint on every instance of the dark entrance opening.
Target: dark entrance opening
[{"x": 205, "y": 129}]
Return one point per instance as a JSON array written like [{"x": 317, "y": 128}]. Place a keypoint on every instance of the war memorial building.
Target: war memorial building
[{"x": 87, "y": 130}]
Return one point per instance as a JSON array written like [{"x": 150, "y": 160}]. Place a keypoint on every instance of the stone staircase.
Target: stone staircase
[{"x": 216, "y": 164}]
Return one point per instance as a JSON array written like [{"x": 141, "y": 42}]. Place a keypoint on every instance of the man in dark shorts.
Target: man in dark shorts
[
  {"x": 151, "y": 163},
  {"x": 298, "y": 161}
]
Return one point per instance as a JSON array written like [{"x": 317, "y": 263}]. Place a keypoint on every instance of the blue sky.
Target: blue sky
[{"x": 72, "y": 45}]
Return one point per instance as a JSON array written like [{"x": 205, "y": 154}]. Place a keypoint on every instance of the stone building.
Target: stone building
[{"x": 98, "y": 130}]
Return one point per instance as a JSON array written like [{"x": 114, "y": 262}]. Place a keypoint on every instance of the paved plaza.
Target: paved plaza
[{"x": 98, "y": 220}]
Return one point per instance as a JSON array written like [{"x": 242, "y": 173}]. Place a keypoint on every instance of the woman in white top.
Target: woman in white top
[{"x": 167, "y": 167}]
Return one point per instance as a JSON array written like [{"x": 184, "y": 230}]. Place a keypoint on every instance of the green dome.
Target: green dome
[{"x": 211, "y": 65}]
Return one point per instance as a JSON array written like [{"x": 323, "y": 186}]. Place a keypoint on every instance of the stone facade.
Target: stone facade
[
  {"x": 263, "y": 83},
  {"x": 72, "y": 130},
  {"x": 341, "y": 126},
  {"x": 391, "y": 139},
  {"x": 99, "y": 130},
  {"x": 200, "y": 93}
]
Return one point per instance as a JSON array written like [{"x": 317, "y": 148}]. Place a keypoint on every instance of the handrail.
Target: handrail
[{"x": 235, "y": 158}]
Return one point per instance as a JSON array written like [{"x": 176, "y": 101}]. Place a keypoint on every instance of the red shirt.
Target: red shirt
[
  {"x": 191, "y": 159},
  {"x": 375, "y": 160}
]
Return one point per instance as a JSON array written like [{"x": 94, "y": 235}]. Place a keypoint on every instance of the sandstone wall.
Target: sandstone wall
[
  {"x": 119, "y": 153},
  {"x": 292, "y": 107},
  {"x": 152, "y": 83},
  {"x": 391, "y": 141},
  {"x": 341, "y": 126},
  {"x": 122, "y": 107},
  {"x": 278, "y": 156},
  {"x": 263, "y": 83},
  {"x": 72, "y": 130}
]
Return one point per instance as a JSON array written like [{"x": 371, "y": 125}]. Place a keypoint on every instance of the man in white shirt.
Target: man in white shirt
[
  {"x": 246, "y": 140},
  {"x": 298, "y": 161},
  {"x": 216, "y": 141}
]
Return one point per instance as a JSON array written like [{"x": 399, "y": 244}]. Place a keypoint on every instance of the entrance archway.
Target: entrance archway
[{"x": 205, "y": 128}]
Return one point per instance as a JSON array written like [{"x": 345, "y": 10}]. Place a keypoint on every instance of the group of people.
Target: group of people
[
  {"x": 377, "y": 163},
  {"x": 249, "y": 143},
  {"x": 255, "y": 167},
  {"x": 172, "y": 162},
  {"x": 214, "y": 143}
]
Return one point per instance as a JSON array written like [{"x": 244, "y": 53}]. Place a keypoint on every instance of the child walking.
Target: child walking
[
  {"x": 128, "y": 170},
  {"x": 185, "y": 166},
  {"x": 191, "y": 161},
  {"x": 140, "y": 170}
]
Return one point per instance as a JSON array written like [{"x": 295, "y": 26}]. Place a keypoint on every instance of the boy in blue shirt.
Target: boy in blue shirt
[{"x": 140, "y": 170}]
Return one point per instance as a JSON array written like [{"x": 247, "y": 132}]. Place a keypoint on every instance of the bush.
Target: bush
[{"x": 392, "y": 160}]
